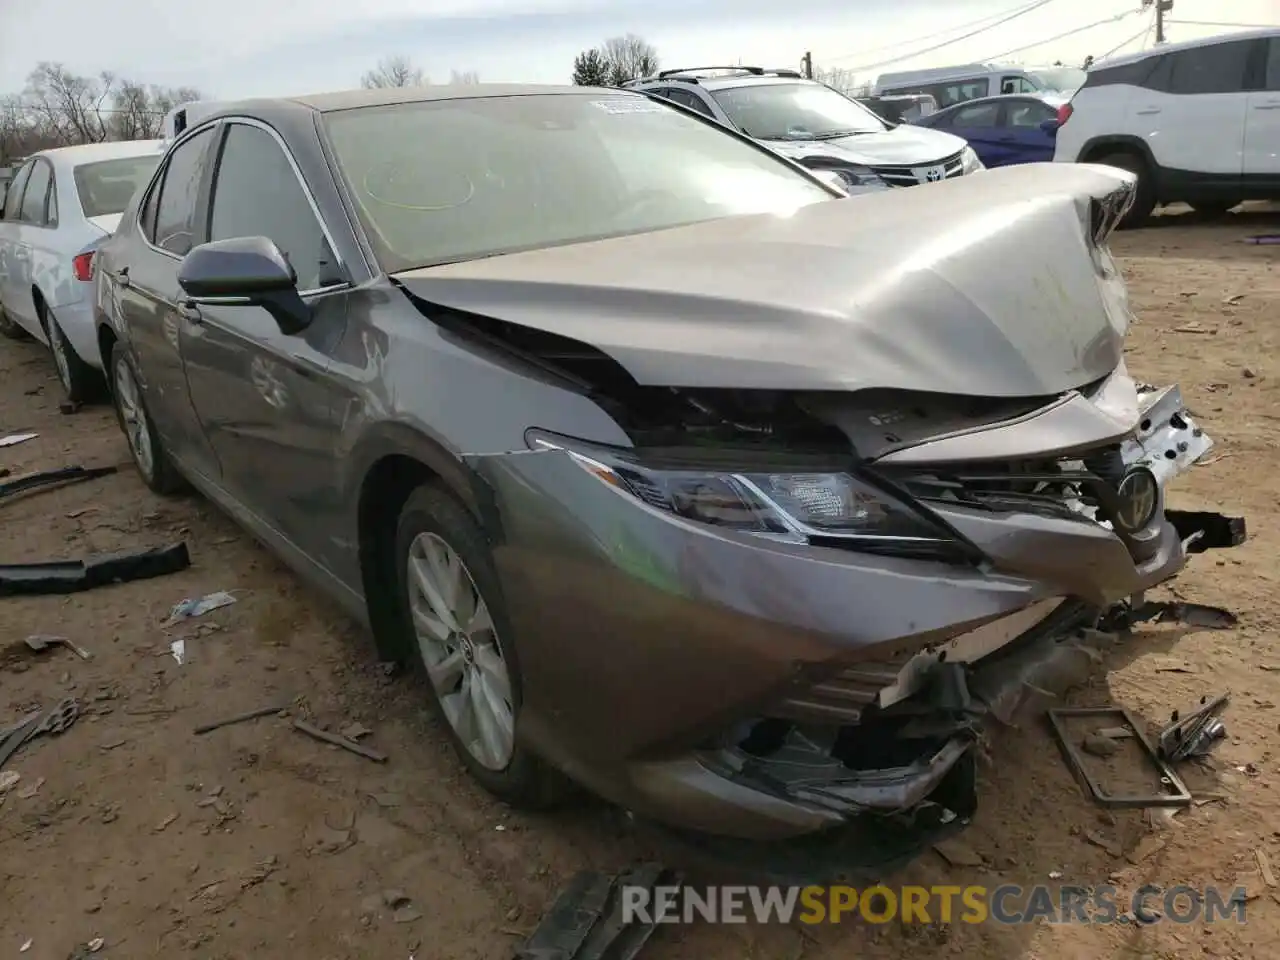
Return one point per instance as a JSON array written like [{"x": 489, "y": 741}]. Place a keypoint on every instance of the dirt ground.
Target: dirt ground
[{"x": 255, "y": 841}]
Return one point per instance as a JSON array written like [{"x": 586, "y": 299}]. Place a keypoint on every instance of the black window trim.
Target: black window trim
[
  {"x": 220, "y": 146},
  {"x": 26, "y": 167},
  {"x": 1250, "y": 63}
]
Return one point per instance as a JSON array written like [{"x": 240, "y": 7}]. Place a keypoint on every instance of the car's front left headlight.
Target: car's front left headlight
[
  {"x": 856, "y": 178},
  {"x": 833, "y": 507},
  {"x": 969, "y": 162}
]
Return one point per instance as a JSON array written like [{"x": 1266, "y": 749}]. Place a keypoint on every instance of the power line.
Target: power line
[
  {"x": 1069, "y": 33},
  {"x": 964, "y": 36},
  {"x": 1140, "y": 35},
  {"x": 927, "y": 36}
]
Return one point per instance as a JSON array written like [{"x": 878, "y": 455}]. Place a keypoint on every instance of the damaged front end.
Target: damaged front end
[{"x": 825, "y": 533}]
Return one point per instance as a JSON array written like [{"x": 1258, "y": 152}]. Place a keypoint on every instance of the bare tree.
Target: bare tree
[
  {"x": 138, "y": 110},
  {"x": 628, "y": 58},
  {"x": 464, "y": 76},
  {"x": 590, "y": 69},
  {"x": 394, "y": 72},
  {"x": 71, "y": 108},
  {"x": 839, "y": 78}
]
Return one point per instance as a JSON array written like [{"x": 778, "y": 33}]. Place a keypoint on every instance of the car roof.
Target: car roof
[
  {"x": 1049, "y": 99},
  {"x": 1164, "y": 48},
  {"x": 93, "y": 152},
  {"x": 338, "y": 100},
  {"x": 724, "y": 83}
]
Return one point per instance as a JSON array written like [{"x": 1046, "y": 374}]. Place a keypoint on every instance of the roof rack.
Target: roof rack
[{"x": 736, "y": 68}]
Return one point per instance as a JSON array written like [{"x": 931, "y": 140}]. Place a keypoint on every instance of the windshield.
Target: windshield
[
  {"x": 447, "y": 180},
  {"x": 106, "y": 186},
  {"x": 1059, "y": 79},
  {"x": 795, "y": 111}
]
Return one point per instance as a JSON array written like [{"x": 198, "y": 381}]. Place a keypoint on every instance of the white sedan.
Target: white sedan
[{"x": 60, "y": 205}]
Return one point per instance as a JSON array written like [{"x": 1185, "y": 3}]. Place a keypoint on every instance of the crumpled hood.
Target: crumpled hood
[
  {"x": 901, "y": 146},
  {"x": 983, "y": 285}
]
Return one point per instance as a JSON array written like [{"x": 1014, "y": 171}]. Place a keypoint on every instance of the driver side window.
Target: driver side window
[{"x": 256, "y": 193}]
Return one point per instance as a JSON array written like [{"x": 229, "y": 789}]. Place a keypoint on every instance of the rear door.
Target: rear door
[
  {"x": 1191, "y": 112},
  {"x": 265, "y": 399},
  {"x": 31, "y": 229},
  {"x": 979, "y": 124},
  {"x": 10, "y": 237},
  {"x": 1262, "y": 123},
  {"x": 1027, "y": 139},
  {"x": 170, "y": 223}
]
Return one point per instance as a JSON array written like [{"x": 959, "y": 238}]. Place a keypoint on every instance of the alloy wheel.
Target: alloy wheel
[
  {"x": 134, "y": 418},
  {"x": 461, "y": 651}
]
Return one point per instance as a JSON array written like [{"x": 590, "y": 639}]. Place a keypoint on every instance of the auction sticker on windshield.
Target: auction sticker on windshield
[{"x": 629, "y": 105}]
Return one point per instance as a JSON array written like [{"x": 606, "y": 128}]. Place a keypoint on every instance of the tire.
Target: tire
[
  {"x": 10, "y": 329},
  {"x": 434, "y": 526},
  {"x": 149, "y": 455},
  {"x": 1213, "y": 209},
  {"x": 1144, "y": 199},
  {"x": 80, "y": 382}
]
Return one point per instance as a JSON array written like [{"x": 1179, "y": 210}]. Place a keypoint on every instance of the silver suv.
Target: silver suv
[{"x": 815, "y": 125}]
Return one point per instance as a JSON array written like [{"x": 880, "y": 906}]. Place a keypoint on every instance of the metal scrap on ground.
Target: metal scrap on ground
[{"x": 357, "y": 748}]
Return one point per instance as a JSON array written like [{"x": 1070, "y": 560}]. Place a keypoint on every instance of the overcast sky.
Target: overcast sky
[{"x": 237, "y": 48}]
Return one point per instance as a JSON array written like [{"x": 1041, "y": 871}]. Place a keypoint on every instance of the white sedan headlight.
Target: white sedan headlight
[{"x": 969, "y": 162}]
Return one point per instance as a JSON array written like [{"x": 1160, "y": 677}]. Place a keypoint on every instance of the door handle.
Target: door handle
[
  {"x": 190, "y": 312},
  {"x": 1268, "y": 106},
  {"x": 122, "y": 276},
  {"x": 1147, "y": 111}
]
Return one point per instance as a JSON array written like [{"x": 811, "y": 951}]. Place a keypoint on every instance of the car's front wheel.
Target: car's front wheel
[
  {"x": 80, "y": 382},
  {"x": 452, "y": 605},
  {"x": 149, "y": 454}
]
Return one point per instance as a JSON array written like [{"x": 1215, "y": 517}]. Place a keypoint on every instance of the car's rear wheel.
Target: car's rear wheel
[
  {"x": 149, "y": 454},
  {"x": 10, "y": 329},
  {"x": 80, "y": 382},
  {"x": 451, "y": 603},
  {"x": 1144, "y": 198}
]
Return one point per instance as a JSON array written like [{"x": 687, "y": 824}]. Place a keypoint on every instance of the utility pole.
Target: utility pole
[
  {"x": 1162, "y": 7},
  {"x": 807, "y": 60}
]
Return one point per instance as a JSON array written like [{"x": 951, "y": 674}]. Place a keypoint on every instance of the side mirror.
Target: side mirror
[
  {"x": 245, "y": 271},
  {"x": 1050, "y": 127}
]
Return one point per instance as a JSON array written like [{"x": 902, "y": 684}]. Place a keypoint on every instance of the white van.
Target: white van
[
  {"x": 187, "y": 115},
  {"x": 952, "y": 85}
]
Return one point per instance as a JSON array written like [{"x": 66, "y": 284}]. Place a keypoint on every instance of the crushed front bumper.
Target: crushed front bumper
[{"x": 652, "y": 649}]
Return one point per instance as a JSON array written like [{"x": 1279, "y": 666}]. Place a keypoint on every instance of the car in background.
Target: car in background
[
  {"x": 906, "y": 108},
  {"x": 1003, "y": 130},
  {"x": 973, "y": 81},
  {"x": 1196, "y": 122},
  {"x": 60, "y": 205},
  {"x": 674, "y": 476},
  {"x": 815, "y": 125}
]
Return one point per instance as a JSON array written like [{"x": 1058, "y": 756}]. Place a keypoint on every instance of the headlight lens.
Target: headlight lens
[
  {"x": 794, "y": 507},
  {"x": 969, "y": 161},
  {"x": 857, "y": 179}
]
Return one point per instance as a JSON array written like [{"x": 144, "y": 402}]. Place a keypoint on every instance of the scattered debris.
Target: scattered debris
[
  {"x": 39, "y": 643},
  {"x": 54, "y": 722},
  {"x": 1098, "y": 840},
  {"x": 72, "y": 576},
  {"x": 1263, "y": 239},
  {"x": 26, "y": 945},
  {"x": 958, "y": 853},
  {"x": 166, "y": 823},
  {"x": 50, "y": 478},
  {"x": 1193, "y": 328},
  {"x": 198, "y": 606},
  {"x": 1196, "y": 734},
  {"x": 588, "y": 918},
  {"x": 1125, "y": 616},
  {"x": 245, "y": 717},
  {"x": 1145, "y": 848},
  {"x": 14, "y": 439},
  {"x": 1116, "y": 733},
  {"x": 1264, "y": 867},
  {"x": 178, "y": 650},
  {"x": 31, "y": 789},
  {"x": 8, "y": 780},
  {"x": 1174, "y": 791},
  {"x": 355, "y": 731},
  {"x": 315, "y": 732},
  {"x": 1233, "y": 299}
]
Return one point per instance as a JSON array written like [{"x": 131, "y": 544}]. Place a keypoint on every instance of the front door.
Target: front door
[
  {"x": 144, "y": 279},
  {"x": 11, "y": 238},
  {"x": 264, "y": 398},
  {"x": 1262, "y": 124}
]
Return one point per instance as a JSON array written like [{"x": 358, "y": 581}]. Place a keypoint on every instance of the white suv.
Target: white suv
[
  {"x": 816, "y": 126},
  {"x": 1198, "y": 122}
]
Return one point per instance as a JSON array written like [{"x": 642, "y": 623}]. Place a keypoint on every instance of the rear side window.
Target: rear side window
[
  {"x": 1219, "y": 68},
  {"x": 175, "y": 214},
  {"x": 107, "y": 186},
  {"x": 978, "y": 115},
  {"x": 1134, "y": 74},
  {"x": 688, "y": 99},
  {"x": 33, "y": 202},
  {"x": 1272, "y": 79},
  {"x": 13, "y": 199},
  {"x": 1030, "y": 113}
]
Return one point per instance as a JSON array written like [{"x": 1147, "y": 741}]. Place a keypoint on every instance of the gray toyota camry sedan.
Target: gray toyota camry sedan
[{"x": 744, "y": 504}]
